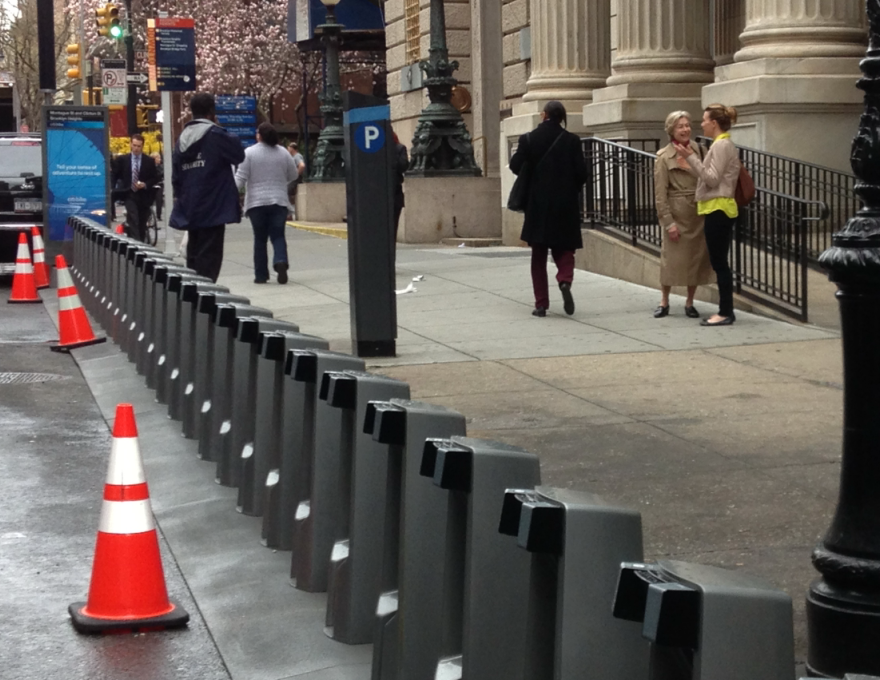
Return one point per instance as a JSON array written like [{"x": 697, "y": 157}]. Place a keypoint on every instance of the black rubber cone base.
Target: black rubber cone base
[
  {"x": 75, "y": 345},
  {"x": 176, "y": 618}
]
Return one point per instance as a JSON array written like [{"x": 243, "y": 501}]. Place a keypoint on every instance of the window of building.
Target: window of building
[{"x": 413, "y": 30}]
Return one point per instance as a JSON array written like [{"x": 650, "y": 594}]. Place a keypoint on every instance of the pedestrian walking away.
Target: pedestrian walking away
[
  {"x": 267, "y": 172},
  {"x": 555, "y": 164},
  {"x": 293, "y": 149},
  {"x": 205, "y": 195},
  {"x": 684, "y": 259},
  {"x": 135, "y": 176},
  {"x": 401, "y": 163},
  {"x": 716, "y": 188}
]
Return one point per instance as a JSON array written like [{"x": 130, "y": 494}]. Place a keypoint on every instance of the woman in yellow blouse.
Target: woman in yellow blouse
[{"x": 718, "y": 174}]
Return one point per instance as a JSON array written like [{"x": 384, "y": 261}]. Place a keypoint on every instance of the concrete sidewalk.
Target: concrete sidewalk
[{"x": 727, "y": 440}]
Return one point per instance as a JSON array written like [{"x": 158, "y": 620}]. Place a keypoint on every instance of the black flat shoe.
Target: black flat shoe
[
  {"x": 281, "y": 268},
  {"x": 539, "y": 311},
  {"x": 259, "y": 280},
  {"x": 567, "y": 299},
  {"x": 661, "y": 311},
  {"x": 691, "y": 312},
  {"x": 724, "y": 322}
]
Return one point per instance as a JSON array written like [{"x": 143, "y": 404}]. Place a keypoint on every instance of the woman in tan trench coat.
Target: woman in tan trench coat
[{"x": 684, "y": 258}]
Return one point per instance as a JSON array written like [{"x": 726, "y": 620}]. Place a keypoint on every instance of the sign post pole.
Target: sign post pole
[{"x": 167, "y": 150}]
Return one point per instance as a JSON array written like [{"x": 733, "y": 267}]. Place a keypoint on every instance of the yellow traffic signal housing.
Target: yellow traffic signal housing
[
  {"x": 143, "y": 114},
  {"x": 102, "y": 21},
  {"x": 114, "y": 25},
  {"x": 107, "y": 21},
  {"x": 74, "y": 61}
]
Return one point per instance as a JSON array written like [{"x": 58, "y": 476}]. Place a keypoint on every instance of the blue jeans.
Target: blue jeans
[{"x": 268, "y": 222}]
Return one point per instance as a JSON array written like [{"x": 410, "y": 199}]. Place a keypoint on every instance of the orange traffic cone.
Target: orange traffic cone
[
  {"x": 41, "y": 269},
  {"x": 24, "y": 286},
  {"x": 127, "y": 590},
  {"x": 76, "y": 331}
]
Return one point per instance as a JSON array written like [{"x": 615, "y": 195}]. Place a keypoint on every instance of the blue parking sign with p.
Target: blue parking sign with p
[{"x": 370, "y": 137}]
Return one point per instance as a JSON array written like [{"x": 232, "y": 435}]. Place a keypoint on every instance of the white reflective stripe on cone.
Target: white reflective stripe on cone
[
  {"x": 64, "y": 280},
  {"x": 24, "y": 268},
  {"x": 125, "y": 466},
  {"x": 126, "y": 517},
  {"x": 68, "y": 302}
]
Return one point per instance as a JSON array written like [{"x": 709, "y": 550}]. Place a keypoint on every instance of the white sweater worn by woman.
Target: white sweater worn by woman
[{"x": 265, "y": 174}]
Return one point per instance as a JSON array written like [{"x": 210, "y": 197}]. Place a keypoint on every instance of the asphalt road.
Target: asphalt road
[{"x": 54, "y": 448}]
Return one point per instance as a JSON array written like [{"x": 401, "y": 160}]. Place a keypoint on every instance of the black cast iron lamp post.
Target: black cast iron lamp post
[
  {"x": 329, "y": 165},
  {"x": 441, "y": 145},
  {"x": 843, "y": 606}
]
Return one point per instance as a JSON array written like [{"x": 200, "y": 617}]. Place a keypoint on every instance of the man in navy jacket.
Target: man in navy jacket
[{"x": 205, "y": 196}]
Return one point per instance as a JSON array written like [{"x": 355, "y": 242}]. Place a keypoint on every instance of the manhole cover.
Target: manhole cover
[{"x": 13, "y": 378}]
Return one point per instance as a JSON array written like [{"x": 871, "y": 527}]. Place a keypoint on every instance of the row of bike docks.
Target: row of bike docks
[{"x": 443, "y": 551}]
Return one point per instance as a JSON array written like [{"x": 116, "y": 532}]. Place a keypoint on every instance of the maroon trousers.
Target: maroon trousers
[{"x": 564, "y": 260}]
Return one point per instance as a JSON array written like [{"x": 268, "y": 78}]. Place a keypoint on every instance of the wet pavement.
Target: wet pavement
[{"x": 54, "y": 448}]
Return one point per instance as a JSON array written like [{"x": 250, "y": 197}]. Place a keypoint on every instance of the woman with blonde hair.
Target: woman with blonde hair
[
  {"x": 718, "y": 173},
  {"x": 684, "y": 260}
]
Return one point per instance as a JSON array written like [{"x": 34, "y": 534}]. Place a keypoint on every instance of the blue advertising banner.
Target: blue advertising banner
[
  {"x": 76, "y": 166},
  {"x": 238, "y": 114}
]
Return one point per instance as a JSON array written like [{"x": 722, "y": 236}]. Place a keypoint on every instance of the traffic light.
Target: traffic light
[
  {"x": 107, "y": 21},
  {"x": 116, "y": 30},
  {"x": 144, "y": 113},
  {"x": 74, "y": 62}
]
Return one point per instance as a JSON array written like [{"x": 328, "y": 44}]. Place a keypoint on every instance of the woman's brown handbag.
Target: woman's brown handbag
[{"x": 745, "y": 187}]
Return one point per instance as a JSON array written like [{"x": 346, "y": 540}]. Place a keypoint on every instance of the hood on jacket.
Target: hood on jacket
[{"x": 190, "y": 142}]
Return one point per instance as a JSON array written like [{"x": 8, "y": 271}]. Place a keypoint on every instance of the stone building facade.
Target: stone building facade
[{"x": 619, "y": 66}]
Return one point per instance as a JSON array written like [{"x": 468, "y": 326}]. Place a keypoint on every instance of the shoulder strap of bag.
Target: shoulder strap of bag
[{"x": 547, "y": 152}]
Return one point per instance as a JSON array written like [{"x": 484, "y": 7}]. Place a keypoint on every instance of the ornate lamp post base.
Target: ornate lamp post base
[
  {"x": 843, "y": 606},
  {"x": 329, "y": 164},
  {"x": 442, "y": 145}
]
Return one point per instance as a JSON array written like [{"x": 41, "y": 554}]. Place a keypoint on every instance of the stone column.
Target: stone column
[
  {"x": 663, "y": 41},
  {"x": 730, "y": 20},
  {"x": 802, "y": 29},
  {"x": 663, "y": 59},
  {"x": 791, "y": 80},
  {"x": 571, "y": 49}
]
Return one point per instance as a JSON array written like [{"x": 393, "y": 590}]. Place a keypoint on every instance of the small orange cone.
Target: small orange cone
[
  {"x": 127, "y": 590},
  {"x": 76, "y": 331},
  {"x": 41, "y": 269},
  {"x": 119, "y": 229},
  {"x": 24, "y": 286}
]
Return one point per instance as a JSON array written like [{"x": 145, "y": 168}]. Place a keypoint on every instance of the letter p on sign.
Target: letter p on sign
[{"x": 370, "y": 137}]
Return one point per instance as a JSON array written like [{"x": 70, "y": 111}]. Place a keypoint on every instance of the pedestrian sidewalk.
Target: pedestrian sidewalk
[{"x": 475, "y": 304}]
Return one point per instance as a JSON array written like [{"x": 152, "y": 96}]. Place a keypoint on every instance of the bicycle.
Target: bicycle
[{"x": 151, "y": 232}]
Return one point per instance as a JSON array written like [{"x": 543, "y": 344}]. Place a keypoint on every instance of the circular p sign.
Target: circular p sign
[{"x": 369, "y": 137}]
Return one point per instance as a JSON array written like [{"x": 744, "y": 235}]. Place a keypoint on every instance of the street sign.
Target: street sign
[
  {"x": 171, "y": 54},
  {"x": 113, "y": 85},
  {"x": 370, "y": 137},
  {"x": 238, "y": 114},
  {"x": 136, "y": 78}
]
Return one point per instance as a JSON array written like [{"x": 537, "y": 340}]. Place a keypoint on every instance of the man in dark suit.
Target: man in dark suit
[{"x": 135, "y": 177}]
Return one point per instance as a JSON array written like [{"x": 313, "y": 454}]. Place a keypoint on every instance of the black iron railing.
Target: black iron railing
[{"x": 772, "y": 239}]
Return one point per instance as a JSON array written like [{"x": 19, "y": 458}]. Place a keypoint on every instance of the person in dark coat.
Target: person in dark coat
[
  {"x": 552, "y": 215},
  {"x": 135, "y": 174},
  {"x": 400, "y": 167},
  {"x": 205, "y": 195}
]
